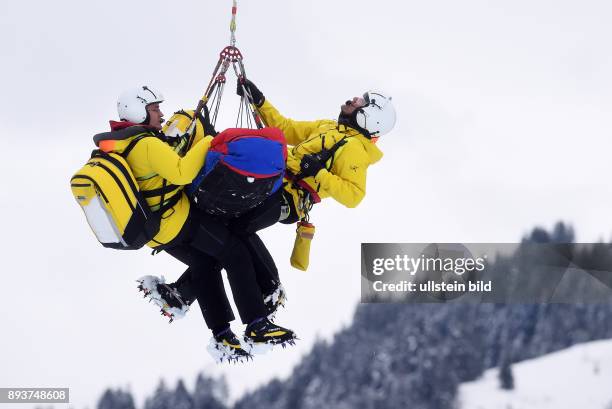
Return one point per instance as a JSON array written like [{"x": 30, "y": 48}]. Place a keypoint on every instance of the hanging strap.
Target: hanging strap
[
  {"x": 229, "y": 56},
  {"x": 233, "y": 23},
  {"x": 169, "y": 204}
]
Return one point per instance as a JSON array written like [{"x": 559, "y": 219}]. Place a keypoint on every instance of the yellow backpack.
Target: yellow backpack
[{"x": 116, "y": 210}]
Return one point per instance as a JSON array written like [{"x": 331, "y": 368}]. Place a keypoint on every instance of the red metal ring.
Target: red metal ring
[{"x": 231, "y": 53}]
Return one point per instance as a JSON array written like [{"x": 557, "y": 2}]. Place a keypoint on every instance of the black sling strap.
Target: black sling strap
[
  {"x": 324, "y": 156},
  {"x": 132, "y": 144}
]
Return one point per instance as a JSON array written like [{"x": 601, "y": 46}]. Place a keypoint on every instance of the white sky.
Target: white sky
[{"x": 503, "y": 123}]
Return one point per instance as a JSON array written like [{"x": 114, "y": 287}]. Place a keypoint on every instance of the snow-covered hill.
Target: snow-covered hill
[{"x": 577, "y": 377}]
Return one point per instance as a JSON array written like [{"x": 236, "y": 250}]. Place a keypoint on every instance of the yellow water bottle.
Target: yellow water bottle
[{"x": 300, "y": 255}]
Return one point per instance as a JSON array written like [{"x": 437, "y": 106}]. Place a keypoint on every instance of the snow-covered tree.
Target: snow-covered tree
[
  {"x": 116, "y": 399},
  {"x": 181, "y": 399},
  {"x": 506, "y": 379},
  {"x": 210, "y": 393},
  {"x": 161, "y": 399}
]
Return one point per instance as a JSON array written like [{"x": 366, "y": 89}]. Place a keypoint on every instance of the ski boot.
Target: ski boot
[
  {"x": 262, "y": 335},
  {"x": 164, "y": 296},
  {"x": 275, "y": 300},
  {"x": 227, "y": 347}
]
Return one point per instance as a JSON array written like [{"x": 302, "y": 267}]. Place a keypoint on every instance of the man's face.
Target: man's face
[
  {"x": 155, "y": 116},
  {"x": 351, "y": 105}
]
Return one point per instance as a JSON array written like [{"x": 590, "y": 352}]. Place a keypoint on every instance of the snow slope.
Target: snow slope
[{"x": 577, "y": 377}]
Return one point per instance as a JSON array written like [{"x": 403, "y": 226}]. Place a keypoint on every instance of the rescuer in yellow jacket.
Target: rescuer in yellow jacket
[
  {"x": 329, "y": 158},
  {"x": 159, "y": 170}
]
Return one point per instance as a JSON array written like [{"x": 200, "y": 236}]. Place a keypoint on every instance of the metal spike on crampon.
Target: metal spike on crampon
[
  {"x": 224, "y": 353},
  {"x": 164, "y": 296},
  {"x": 260, "y": 348},
  {"x": 167, "y": 315},
  {"x": 142, "y": 288}
]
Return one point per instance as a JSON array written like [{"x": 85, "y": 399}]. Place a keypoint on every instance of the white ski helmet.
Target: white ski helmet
[
  {"x": 378, "y": 115},
  {"x": 132, "y": 103}
]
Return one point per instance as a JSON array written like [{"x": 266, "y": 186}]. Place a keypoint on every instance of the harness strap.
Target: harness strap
[
  {"x": 159, "y": 191},
  {"x": 335, "y": 148},
  {"x": 299, "y": 184},
  {"x": 170, "y": 203},
  {"x": 233, "y": 23},
  {"x": 133, "y": 143},
  {"x": 325, "y": 155}
]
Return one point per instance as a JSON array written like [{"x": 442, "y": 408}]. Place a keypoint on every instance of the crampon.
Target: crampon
[
  {"x": 273, "y": 301},
  {"x": 262, "y": 336},
  {"x": 227, "y": 348},
  {"x": 164, "y": 296}
]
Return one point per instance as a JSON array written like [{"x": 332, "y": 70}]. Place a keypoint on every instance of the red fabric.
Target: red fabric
[
  {"x": 220, "y": 142},
  {"x": 118, "y": 125},
  {"x": 313, "y": 193},
  {"x": 245, "y": 173}
]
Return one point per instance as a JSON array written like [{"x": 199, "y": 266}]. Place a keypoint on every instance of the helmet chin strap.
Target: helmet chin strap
[
  {"x": 344, "y": 119},
  {"x": 148, "y": 118},
  {"x": 351, "y": 120}
]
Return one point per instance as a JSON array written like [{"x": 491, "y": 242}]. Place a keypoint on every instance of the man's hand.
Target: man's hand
[
  {"x": 310, "y": 165},
  {"x": 258, "y": 97}
]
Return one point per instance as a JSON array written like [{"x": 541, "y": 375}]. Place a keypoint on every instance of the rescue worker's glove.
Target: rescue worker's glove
[
  {"x": 311, "y": 164},
  {"x": 209, "y": 128},
  {"x": 258, "y": 97}
]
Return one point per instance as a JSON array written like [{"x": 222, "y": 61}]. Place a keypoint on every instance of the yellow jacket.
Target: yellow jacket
[
  {"x": 345, "y": 176},
  {"x": 154, "y": 161}
]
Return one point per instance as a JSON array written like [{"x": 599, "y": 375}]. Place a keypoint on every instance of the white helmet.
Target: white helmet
[
  {"x": 378, "y": 115},
  {"x": 132, "y": 103}
]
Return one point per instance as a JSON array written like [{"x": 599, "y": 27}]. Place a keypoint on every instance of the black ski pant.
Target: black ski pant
[
  {"x": 198, "y": 282},
  {"x": 203, "y": 280},
  {"x": 211, "y": 242},
  {"x": 247, "y": 226}
]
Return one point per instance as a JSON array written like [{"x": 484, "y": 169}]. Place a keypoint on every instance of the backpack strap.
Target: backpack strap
[
  {"x": 133, "y": 143},
  {"x": 163, "y": 191},
  {"x": 121, "y": 168}
]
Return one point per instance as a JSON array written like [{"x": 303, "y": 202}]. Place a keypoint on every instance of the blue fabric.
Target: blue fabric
[{"x": 255, "y": 156}]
